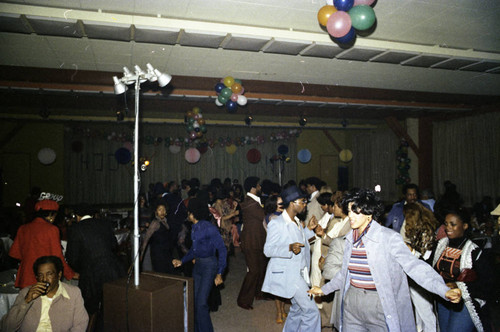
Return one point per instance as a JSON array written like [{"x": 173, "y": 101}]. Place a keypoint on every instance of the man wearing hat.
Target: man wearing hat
[
  {"x": 38, "y": 238},
  {"x": 91, "y": 252},
  {"x": 287, "y": 273}
]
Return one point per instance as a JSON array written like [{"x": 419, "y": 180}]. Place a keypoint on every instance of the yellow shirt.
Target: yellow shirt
[{"x": 45, "y": 324}]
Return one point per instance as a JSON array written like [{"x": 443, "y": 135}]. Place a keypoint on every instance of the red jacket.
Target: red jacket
[{"x": 33, "y": 240}]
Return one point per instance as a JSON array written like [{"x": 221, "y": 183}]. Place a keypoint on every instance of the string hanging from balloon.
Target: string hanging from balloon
[
  {"x": 230, "y": 94},
  {"x": 195, "y": 124},
  {"x": 343, "y": 19}
]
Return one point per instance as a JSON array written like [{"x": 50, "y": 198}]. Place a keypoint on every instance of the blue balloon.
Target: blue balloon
[
  {"x": 219, "y": 87},
  {"x": 231, "y": 106},
  {"x": 343, "y": 5},
  {"x": 304, "y": 156},
  {"x": 283, "y": 149},
  {"x": 123, "y": 156},
  {"x": 348, "y": 37}
]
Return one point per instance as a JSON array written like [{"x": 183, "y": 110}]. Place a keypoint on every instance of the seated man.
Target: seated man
[{"x": 48, "y": 305}]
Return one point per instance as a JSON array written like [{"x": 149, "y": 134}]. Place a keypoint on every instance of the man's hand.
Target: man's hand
[
  {"x": 319, "y": 231},
  {"x": 295, "y": 247},
  {"x": 321, "y": 263},
  {"x": 176, "y": 262},
  {"x": 313, "y": 222},
  {"x": 218, "y": 280},
  {"x": 76, "y": 276},
  {"x": 454, "y": 295},
  {"x": 37, "y": 290},
  {"x": 315, "y": 291}
]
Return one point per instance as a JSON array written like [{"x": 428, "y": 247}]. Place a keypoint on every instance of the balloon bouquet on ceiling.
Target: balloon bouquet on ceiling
[
  {"x": 230, "y": 93},
  {"x": 343, "y": 18}
]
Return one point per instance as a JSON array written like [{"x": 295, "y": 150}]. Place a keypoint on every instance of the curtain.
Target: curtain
[
  {"x": 93, "y": 174},
  {"x": 467, "y": 152},
  {"x": 374, "y": 161}
]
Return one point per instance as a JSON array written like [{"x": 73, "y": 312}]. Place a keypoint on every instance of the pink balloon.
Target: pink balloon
[
  {"x": 192, "y": 135},
  {"x": 234, "y": 97},
  {"x": 363, "y": 2},
  {"x": 339, "y": 24}
]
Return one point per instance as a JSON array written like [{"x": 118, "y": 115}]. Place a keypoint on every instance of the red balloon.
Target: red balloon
[{"x": 339, "y": 24}]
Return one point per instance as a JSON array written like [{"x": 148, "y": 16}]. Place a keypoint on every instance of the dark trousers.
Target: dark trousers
[
  {"x": 204, "y": 272},
  {"x": 252, "y": 284}
]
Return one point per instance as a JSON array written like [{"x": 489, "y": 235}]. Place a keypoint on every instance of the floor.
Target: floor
[{"x": 231, "y": 318}]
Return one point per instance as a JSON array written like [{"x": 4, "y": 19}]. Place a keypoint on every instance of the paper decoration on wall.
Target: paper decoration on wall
[
  {"x": 231, "y": 149},
  {"x": 123, "y": 156},
  {"x": 283, "y": 149},
  {"x": 304, "y": 156},
  {"x": 77, "y": 146},
  {"x": 345, "y": 155},
  {"x": 403, "y": 163},
  {"x": 174, "y": 148},
  {"x": 230, "y": 94},
  {"x": 253, "y": 156},
  {"x": 192, "y": 155},
  {"x": 46, "y": 156},
  {"x": 129, "y": 146},
  {"x": 195, "y": 123}
]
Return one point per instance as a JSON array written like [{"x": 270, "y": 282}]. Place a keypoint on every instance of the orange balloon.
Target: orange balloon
[
  {"x": 201, "y": 122},
  {"x": 324, "y": 14},
  {"x": 236, "y": 88}
]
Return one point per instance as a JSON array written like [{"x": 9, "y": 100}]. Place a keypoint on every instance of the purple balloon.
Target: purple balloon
[
  {"x": 219, "y": 87},
  {"x": 339, "y": 24},
  {"x": 231, "y": 106},
  {"x": 347, "y": 38},
  {"x": 343, "y": 5}
]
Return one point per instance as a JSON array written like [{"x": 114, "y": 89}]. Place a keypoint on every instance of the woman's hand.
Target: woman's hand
[
  {"x": 451, "y": 284},
  {"x": 218, "y": 280},
  {"x": 454, "y": 295},
  {"x": 176, "y": 262},
  {"x": 315, "y": 291}
]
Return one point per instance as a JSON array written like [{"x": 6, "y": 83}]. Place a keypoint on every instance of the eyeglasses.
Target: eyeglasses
[{"x": 302, "y": 201}]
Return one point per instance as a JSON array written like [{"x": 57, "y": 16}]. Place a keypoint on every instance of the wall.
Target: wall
[
  {"x": 324, "y": 157},
  {"x": 19, "y": 162}
]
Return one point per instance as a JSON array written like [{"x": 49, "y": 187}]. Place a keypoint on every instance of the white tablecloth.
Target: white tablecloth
[{"x": 8, "y": 293}]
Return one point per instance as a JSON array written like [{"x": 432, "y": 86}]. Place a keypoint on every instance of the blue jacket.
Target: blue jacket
[
  {"x": 396, "y": 216},
  {"x": 390, "y": 262},
  {"x": 283, "y": 269}
]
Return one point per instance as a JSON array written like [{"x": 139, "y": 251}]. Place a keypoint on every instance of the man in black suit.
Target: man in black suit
[{"x": 90, "y": 251}]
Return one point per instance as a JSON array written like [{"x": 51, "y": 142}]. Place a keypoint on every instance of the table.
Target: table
[{"x": 8, "y": 293}]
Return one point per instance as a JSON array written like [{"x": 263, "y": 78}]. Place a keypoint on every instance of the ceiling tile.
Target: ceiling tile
[
  {"x": 322, "y": 50},
  {"x": 393, "y": 57},
  {"x": 359, "y": 54},
  {"x": 52, "y": 26},
  {"x": 201, "y": 39},
  {"x": 245, "y": 43},
  {"x": 13, "y": 23},
  {"x": 282, "y": 46},
  {"x": 156, "y": 35},
  {"x": 424, "y": 61},
  {"x": 102, "y": 30}
]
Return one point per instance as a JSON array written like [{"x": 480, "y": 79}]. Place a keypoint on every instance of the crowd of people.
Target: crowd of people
[{"x": 328, "y": 259}]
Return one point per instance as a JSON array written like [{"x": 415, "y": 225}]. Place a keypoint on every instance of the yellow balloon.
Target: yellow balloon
[
  {"x": 228, "y": 81},
  {"x": 324, "y": 14},
  {"x": 196, "y": 110}
]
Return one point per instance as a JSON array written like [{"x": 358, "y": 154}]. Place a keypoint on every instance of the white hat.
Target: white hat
[{"x": 496, "y": 212}]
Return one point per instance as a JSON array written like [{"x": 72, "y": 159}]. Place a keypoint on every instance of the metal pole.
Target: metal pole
[{"x": 136, "y": 185}]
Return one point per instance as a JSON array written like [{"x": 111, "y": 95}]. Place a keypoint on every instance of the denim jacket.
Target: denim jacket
[{"x": 390, "y": 262}]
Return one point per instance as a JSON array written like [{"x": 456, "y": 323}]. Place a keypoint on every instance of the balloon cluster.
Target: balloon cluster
[
  {"x": 342, "y": 18},
  {"x": 230, "y": 93},
  {"x": 195, "y": 124},
  {"x": 403, "y": 163}
]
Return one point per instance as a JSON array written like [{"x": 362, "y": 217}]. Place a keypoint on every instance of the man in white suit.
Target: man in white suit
[{"x": 287, "y": 273}]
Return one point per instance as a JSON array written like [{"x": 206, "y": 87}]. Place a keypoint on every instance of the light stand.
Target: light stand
[{"x": 138, "y": 77}]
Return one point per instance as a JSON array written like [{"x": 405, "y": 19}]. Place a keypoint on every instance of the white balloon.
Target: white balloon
[
  {"x": 46, "y": 156},
  {"x": 329, "y": 2},
  {"x": 218, "y": 103},
  {"x": 242, "y": 100}
]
